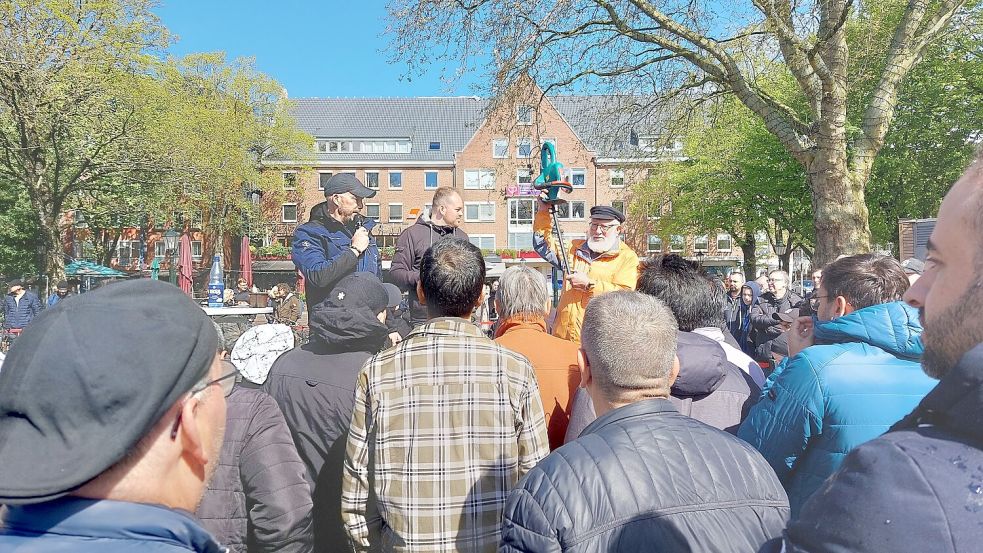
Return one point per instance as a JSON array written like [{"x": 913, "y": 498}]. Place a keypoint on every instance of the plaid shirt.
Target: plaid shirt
[{"x": 445, "y": 424}]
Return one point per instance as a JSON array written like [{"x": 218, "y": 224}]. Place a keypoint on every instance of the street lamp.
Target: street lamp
[
  {"x": 170, "y": 245},
  {"x": 780, "y": 248}
]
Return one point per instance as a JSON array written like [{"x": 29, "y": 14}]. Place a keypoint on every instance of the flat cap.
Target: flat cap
[
  {"x": 85, "y": 382},
  {"x": 606, "y": 212}
]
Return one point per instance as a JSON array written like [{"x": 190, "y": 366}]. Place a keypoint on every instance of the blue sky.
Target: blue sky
[{"x": 325, "y": 48}]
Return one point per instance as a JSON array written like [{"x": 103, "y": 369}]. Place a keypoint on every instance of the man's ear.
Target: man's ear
[
  {"x": 584, "y": 364},
  {"x": 674, "y": 372},
  {"x": 419, "y": 293},
  {"x": 841, "y": 307},
  {"x": 191, "y": 439}
]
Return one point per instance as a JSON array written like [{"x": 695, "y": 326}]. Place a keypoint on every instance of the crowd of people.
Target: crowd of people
[{"x": 656, "y": 408}]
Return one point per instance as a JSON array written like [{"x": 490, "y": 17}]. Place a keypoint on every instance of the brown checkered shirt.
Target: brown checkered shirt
[{"x": 445, "y": 424}]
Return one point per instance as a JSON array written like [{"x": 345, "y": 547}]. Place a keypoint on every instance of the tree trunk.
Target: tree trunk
[
  {"x": 840, "y": 212},
  {"x": 52, "y": 256},
  {"x": 748, "y": 247},
  {"x": 841, "y": 217}
]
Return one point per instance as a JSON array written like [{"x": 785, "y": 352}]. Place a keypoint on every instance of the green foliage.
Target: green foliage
[
  {"x": 273, "y": 250},
  {"x": 93, "y": 117},
  {"x": 18, "y": 242}
]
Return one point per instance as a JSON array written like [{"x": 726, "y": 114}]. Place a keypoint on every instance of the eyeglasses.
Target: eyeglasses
[
  {"x": 227, "y": 381},
  {"x": 773, "y": 280},
  {"x": 605, "y": 228}
]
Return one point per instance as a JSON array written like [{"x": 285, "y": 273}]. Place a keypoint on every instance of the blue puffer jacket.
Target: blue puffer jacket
[
  {"x": 321, "y": 251},
  {"x": 817, "y": 406},
  {"x": 102, "y": 526}
]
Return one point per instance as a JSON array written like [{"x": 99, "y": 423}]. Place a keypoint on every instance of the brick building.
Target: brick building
[{"x": 407, "y": 147}]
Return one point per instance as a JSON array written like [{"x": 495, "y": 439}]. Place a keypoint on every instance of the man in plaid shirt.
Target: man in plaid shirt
[{"x": 445, "y": 424}]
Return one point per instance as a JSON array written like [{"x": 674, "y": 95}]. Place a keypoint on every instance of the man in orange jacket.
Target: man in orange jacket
[
  {"x": 523, "y": 301},
  {"x": 600, "y": 264}
]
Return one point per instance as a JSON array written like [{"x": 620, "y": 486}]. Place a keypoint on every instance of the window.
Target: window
[
  {"x": 397, "y": 146},
  {"x": 483, "y": 241},
  {"x": 523, "y": 148},
  {"x": 289, "y": 180},
  {"x": 578, "y": 178},
  {"x": 479, "y": 179},
  {"x": 127, "y": 251},
  {"x": 372, "y": 180},
  {"x": 500, "y": 148},
  {"x": 395, "y": 213},
  {"x": 196, "y": 249},
  {"x": 435, "y": 145},
  {"x": 523, "y": 115},
  {"x": 617, "y": 178},
  {"x": 289, "y": 214},
  {"x": 396, "y": 180},
  {"x": 701, "y": 243},
  {"x": 427, "y": 210},
  {"x": 619, "y": 205},
  {"x": 372, "y": 211},
  {"x": 430, "y": 180},
  {"x": 159, "y": 250},
  {"x": 197, "y": 219},
  {"x": 677, "y": 243},
  {"x": 521, "y": 212},
  {"x": 572, "y": 210},
  {"x": 479, "y": 212},
  {"x": 322, "y": 179},
  {"x": 654, "y": 243},
  {"x": 723, "y": 243},
  {"x": 523, "y": 176},
  {"x": 520, "y": 240}
]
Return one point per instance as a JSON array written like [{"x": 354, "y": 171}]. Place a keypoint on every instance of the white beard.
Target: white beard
[{"x": 603, "y": 245}]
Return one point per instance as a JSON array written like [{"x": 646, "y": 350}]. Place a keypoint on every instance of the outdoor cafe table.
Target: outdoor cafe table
[{"x": 219, "y": 311}]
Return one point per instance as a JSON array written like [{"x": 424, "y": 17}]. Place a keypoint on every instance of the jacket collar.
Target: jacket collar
[
  {"x": 92, "y": 518},
  {"x": 893, "y": 327},
  {"x": 638, "y": 409},
  {"x": 508, "y": 325},
  {"x": 447, "y": 326},
  {"x": 956, "y": 402}
]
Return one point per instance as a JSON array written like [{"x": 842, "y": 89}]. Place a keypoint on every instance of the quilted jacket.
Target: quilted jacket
[
  {"x": 258, "y": 499},
  {"x": 646, "y": 478},
  {"x": 817, "y": 406}
]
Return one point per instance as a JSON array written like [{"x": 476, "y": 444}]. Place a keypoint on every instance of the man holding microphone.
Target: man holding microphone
[{"x": 337, "y": 239}]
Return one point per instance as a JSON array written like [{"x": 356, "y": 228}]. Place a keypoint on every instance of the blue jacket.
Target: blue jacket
[
  {"x": 817, "y": 406},
  {"x": 321, "y": 252},
  {"x": 19, "y": 315},
  {"x": 102, "y": 526}
]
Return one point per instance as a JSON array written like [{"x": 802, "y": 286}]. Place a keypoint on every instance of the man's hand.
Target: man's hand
[
  {"x": 800, "y": 336},
  {"x": 578, "y": 281},
  {"x": 360, "y": 240}
]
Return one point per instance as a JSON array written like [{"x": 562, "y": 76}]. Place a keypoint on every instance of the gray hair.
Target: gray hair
[
  {"x": 780, "y": 272},
  {"x": 630, "y": 341},
  {"x": 522, "y": 292}
]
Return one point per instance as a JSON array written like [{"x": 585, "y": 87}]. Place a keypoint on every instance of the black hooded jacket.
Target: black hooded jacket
[
  {"x": 917, "y": 488},
  {"x": 315, "y": 388}
]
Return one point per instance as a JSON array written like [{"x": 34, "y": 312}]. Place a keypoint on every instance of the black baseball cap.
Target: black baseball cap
[
  {"x": 73, "y": 407},
  {"x": 364, "y": 290},
  {"x": 346, "y": 182}
]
